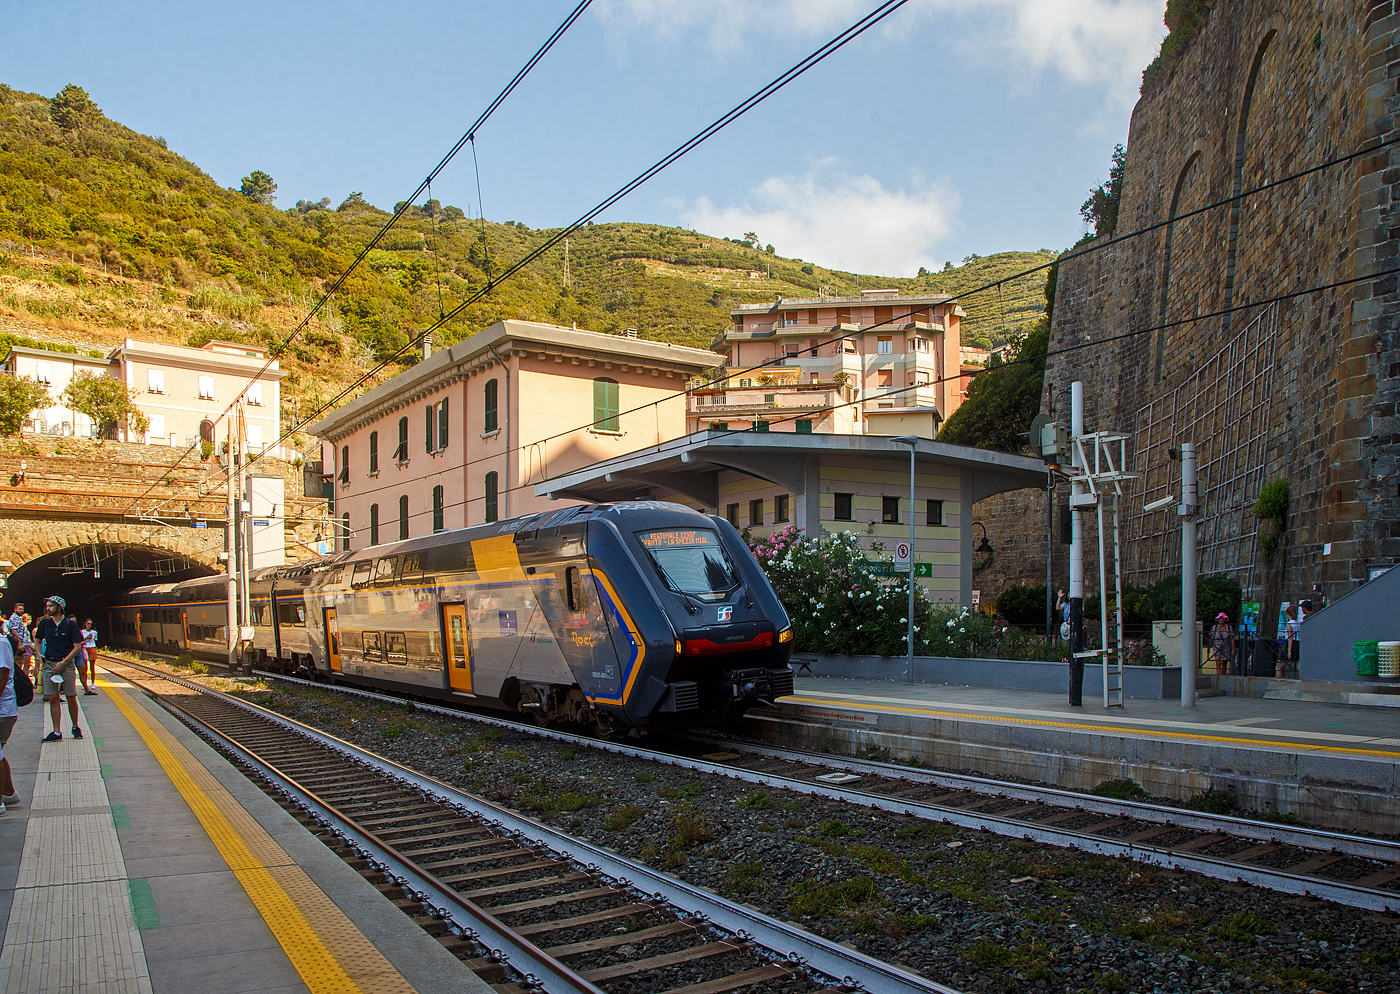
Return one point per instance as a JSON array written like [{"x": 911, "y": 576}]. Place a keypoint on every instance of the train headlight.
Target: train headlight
[{"x": 785, "y": 635}]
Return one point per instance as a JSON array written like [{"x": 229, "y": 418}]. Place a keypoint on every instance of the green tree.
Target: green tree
[
  {"x": 72, "y": 108},
  {"x": 258, "y": 187},
  {"x": 1183, "y": 18},
  {"x": 19, "y": 396},
  {"x": 109, "y": 402},
  {"x": 1101, "y": 209}
]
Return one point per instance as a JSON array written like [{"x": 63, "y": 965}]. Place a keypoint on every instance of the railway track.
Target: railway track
[
  {"x": 566, "y": 915},
  {"x": 1347, "y": 869}
]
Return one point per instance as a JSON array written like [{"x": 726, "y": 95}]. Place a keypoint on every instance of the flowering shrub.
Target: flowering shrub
[{"x": 837, "y": 603}]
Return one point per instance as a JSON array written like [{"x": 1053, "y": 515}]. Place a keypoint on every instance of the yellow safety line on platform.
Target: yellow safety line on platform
[
  {"x": 281, "y": 907},
  {"x": 1110, "y": 729}
]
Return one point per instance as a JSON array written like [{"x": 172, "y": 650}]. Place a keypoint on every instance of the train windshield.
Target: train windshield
[{"x": 691, "y": 561}]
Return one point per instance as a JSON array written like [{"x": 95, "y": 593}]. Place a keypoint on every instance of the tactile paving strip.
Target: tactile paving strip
[{"x": 332, "y": 955}]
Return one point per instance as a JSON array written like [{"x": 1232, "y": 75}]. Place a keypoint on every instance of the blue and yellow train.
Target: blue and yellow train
[{"x": 609, "y": 615}]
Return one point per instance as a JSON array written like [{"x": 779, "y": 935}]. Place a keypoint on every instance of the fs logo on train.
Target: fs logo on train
[{"x": 725, "y": 613}]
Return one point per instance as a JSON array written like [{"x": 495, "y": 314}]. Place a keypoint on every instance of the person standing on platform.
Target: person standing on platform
[
  {"x": 89, "y": 635},
  {"x": 1294, "y": 628},
  {"x": 61, "y": 644},
  {"x": 17, "y": 627},
  {"x": 1222, "y": 643},
  {"x": 9, "y": 714},
  {"x": 82, "y": 654}
]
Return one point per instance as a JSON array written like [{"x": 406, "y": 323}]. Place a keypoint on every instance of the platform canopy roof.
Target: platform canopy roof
[{"x": 691, "y": 465}]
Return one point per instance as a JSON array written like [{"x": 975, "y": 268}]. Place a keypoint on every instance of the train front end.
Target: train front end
[{"x": 730, "y": 637}]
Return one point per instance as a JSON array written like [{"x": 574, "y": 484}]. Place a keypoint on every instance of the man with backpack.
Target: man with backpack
[{"x": 61, "y": 644}]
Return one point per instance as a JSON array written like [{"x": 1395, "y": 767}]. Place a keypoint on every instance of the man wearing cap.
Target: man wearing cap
[{"x": 61, "y": 644}]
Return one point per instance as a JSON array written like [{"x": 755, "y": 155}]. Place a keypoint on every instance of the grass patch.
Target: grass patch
[
  {"x": 543, "y": 799},
  {"x": 691, "y": 828},
  {"x": 516, "y": 754},
  {"x": 571, "y": 752},
  {"x": 1214, "y": 802},
  {"x": 1120, "y": 790},
  {"x": 644, "y": 778},
  {"x": 198, "y": 668},
  {"x": 623, "y": 817},
  {"x": 1244, "y": 926},
  {"x": 1111, "y": 981},
  {"x": 675, "y": 793},
  {"x": 834, "y": 829},
  {"x": 746, "y": 878},
  {"x": 814, "y": 900},
  {"x": 881, "y": 860},
  {"x": 874, "y": 754},
  {"x": 757, "y": 800},
  {"x": 1300, "y": 978},
  {"x": 484, "y": 742},
  {"x": 393, "y": 730},
  {"x": 984, "y": 954},
  {"x": 922, "y": 830}
]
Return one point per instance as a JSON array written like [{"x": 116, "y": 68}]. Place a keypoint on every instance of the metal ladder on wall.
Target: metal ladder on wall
[{"x": 1104, "y": 476}]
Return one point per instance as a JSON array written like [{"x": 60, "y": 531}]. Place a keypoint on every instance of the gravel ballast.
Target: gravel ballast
[{"x": 972, "y": 910}]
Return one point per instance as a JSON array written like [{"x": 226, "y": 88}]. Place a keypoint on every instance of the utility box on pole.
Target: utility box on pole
[{"x": 267, "y": 512}]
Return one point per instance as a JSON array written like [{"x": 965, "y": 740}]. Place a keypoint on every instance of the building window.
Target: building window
[
  {"x": 804, "y": 426},
  {"x": 884, "y": 345},
  {"x": 844, "y": 505},
  {"x": 770, "y": 398},
  {"x": 719, "y": 426},
  {"x": 155, "y": 381},
  {"x": 43, "y": 373},
  {"x": 935, "y": 513},
  {"x": 606, "y": 409},
  {"x": 919, "y": 344},
  {"x": 890, "y": 510},
  {"x": 756, "y": 513},
  {"x": 345, "y": 465},
  {"x": 345, "y": 532},
  {"x": 206, "y": 388},
  {"x": 255, "y": 442},
  {"x": 731, "y": 513},
  {"x": 403, "y": 517},
  {"x": 437, "y": 508},
  {"x": 442, "y": 424},
  {"x": 401, "y": 453},
  {"x": 780, "y": 507},
  {"x": 430, "y": 433},
  {"x": 812, "y": 343},
  {"x": 790, "y": 349},
  {"x": 848, "y": 346},
  {"x": 156, "y": 431},
  {"x": 883, "y": 378},
  {"x": 255, "y": 394},
  {"x": 789, "y": 320},
  {"x": 760, "y": 426},
  {"x": 206, "y": 432},
  {"x": 491, "y": 423},
  {"x": 373, "y": 453},
  {"x": 374, "y": 524},
  {"x": 491, "y": 495}
]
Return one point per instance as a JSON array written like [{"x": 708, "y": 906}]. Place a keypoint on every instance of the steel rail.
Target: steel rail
[
  {"x": 1220, "y": 868},
  {"x": 1249, "y": 828},
  {"x": 785, "y": 939}
]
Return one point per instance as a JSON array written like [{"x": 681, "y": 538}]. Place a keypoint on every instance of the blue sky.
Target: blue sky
[{"x": 958, "y": 126}]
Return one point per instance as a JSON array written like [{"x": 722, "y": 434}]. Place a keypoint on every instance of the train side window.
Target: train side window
[
  {"x": 373, "y": 646},
  {"x": 577, "y": 600},
  {"x": 396, "y": 648},
  {"x": 412, "y": 567},
  {"x": 384, "y": 570},
  {"x": 360, "y": 578}
]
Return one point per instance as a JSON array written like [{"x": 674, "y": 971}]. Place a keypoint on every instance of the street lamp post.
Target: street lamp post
[{"x": 913, "y": 442}]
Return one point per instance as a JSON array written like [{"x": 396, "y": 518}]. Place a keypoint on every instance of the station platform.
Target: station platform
[
  {"x": 139, "y": 860},
  {"x": 1329, "y": 764}
]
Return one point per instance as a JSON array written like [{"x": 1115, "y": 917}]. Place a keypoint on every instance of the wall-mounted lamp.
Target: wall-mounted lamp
[{"x": 986, "y": 547}]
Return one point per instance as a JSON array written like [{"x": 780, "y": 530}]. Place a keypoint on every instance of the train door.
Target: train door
[
  {"x": 332, "y": 640},
  {"x": 454, "y": 641}
]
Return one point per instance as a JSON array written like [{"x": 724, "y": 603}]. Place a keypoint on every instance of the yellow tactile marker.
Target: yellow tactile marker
[{"x": 332, "y": 956}]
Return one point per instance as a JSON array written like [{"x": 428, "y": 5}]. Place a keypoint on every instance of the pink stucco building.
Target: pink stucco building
[
  {"x": 463, "y": 437},
  {"x": 882, "y": 363}
]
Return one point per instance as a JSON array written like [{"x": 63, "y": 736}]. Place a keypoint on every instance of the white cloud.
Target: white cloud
[
  {"x": 839, "y": 221},
  {"x": 1091, "y": 42}
]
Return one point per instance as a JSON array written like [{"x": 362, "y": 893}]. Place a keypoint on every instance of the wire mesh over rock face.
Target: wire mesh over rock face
[{"x": 1259, "y": 327}]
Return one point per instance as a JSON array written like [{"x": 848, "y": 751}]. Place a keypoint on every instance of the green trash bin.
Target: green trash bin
[{"x": 1366, "y": 655}]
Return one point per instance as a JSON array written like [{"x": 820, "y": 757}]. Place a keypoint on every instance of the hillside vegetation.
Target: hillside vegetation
[{"x": 105, "y": 233}]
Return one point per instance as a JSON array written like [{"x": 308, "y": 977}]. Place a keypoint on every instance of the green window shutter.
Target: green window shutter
[
  {"x": 804, "y": 426},
  {"x": 374, "y": 524},
  {"x": 491, "y": 494},
  {"x": 490, "y": 421},
  {"x": 442, "y": 424},
  {"x": 606, "y": 409},
  {"x": 403, "y": 517},
  {"x": 430, "y": 435},
  {"x": 719, "y": 426},
  {"x": 760, "y": 426},
  {"x": 437, "y": 508}
]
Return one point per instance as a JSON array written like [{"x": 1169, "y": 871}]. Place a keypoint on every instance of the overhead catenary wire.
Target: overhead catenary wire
[
  {"x": 335, "y": 287},
  {"x": 840, "y": 40}
]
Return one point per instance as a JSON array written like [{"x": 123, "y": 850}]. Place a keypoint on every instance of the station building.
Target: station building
[
  {"x": 182, "y": 390},
  {"x": 462, "y": 437}
]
